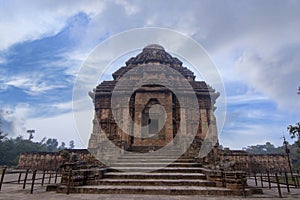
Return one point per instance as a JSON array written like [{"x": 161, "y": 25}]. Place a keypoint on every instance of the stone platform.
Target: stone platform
[{"x": 132, "y": 175}]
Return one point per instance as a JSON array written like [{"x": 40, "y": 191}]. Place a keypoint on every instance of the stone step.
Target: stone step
[
  {"x": 146, "y": 149},
  {"x": 154, "y": 175},
  {"x": 153, "y": 153},
  {"x": 148, "y": 160},
  {"x": 156, "y": 182},
  {"x": 164, "y": 152},
  {"x": 155, "y": 164},
  {"x": 156, "y": 190},
  {"x": 147, "y": 157},
  {"x": 161, "y": 170}
]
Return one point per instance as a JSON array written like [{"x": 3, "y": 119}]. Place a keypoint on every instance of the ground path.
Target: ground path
[{"x": 14, "y": 191}]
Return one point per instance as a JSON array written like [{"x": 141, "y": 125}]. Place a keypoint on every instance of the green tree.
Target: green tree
[
  {"x": 2, "y": 136},
  {"x": 267, "y": 148},
  {"x": 71, "y": 144},
  {"x": 52, "y": 144},
  {"x": 30, "y": 132},
  {"x": 294, "y": 130},
  {"x": 62, "y": 146},
  {"x": 43, "y": 140},
  {"x": 11, "y": 148}
]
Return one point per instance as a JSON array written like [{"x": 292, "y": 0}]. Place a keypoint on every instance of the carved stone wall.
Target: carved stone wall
[
  {"x": 242, "y": 160},
  {"x": 105, "y": 123},
  {"x": 40, "y": 161},
  {"x": 53, "y": 160},
  {"x": 255, "y": 162}
]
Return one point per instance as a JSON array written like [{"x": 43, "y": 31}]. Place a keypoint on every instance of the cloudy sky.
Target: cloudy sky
[{"x": 254, "y": 44}]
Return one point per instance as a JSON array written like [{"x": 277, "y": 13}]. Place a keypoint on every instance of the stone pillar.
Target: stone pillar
[
  {"x": 137, "y": 126},
  {"x": 204, "y": 122},
  {"x": 125, "y": 137},
  {"x": 167, "y": 104},
  {"x": 95, "y": 133}
]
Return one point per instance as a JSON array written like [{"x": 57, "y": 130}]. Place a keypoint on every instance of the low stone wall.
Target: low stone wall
[
  {"x": 54, "y": 160},
  {"x": 228, "y": 179},
  {"x": 40, "y": 160},
  {"x": 255, "y": 162},
  {"x": 242, "y": 160}
]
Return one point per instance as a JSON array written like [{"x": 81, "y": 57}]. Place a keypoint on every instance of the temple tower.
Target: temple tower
[{"x": 142, "y": 100}]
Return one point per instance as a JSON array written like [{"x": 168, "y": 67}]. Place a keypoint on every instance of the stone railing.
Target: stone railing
[
  {"x": 55, "y": 160},
  {"x": 228, "y": 179},
  {"x": 74, "y": 175}
]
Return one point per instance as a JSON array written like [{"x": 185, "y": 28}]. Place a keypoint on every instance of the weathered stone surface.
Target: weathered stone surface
[
  {"x": 54, "y": 160},
  {"x": 131, "y": 173},
  {"x": 186, "y": 179},
  {"x": 254, "y": 162},
  {"x": 150, "y": 94}
]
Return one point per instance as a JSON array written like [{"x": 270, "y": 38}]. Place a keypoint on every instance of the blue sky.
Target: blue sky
[{"x": 254, "y": 44}]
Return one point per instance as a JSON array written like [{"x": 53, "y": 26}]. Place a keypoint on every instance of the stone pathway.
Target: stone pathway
[{"x": 14, "y": 191}]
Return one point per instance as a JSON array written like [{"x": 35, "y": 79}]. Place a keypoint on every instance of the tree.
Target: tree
[
  {"x": 11, "y": 148},
  {"x": 43, "y": 140},
  {"x": 2, "y": 136},
  {"x": 71, "y": 144},
  {"x": 267, "y": 148},
  {"x": 51, "y": 144},
  {"x": 30, "y": 132},
  {"x": 294, "y": 130},
  {"x": 62, "y": 146}
]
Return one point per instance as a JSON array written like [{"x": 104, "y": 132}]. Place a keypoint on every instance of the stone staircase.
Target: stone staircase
[{"x": 133, "y": 174}]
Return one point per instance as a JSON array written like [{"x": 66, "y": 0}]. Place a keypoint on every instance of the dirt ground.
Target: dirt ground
[{"x": 15, "y": 191}]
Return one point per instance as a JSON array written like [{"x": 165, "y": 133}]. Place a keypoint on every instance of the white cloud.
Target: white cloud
[
  {"x": 276, "y": 75},
  {"x": 246, "y": 99},
  {"x": 247, "y": 39},
  {"x": 63, "y": 106},
  {"x": 61, "y": 127},
  {"x": 13, "y": 119},
  {"x": 31, "y": 84},
  {"x": 72, "y": 60},
  {"x": 251, "y": 134},
  {"x": 31, "y": 20},
  {"x": 130, "y": 8},
  {"x": 16, "y": 120}
]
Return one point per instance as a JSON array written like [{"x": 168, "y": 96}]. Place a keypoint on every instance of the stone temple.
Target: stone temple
[
  {"x": 152, "y": 103},
  {"x": 163, "y": 129}
]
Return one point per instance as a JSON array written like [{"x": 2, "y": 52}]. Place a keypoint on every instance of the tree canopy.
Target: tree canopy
[
  {"x": 269, "y": 148},
  {"x": 11, "y": 148},
  {"x": 294, "y": 130}
]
